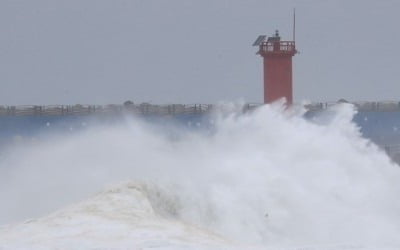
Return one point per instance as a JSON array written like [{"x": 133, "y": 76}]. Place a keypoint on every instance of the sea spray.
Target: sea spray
[{"x": 268, "y": 177}]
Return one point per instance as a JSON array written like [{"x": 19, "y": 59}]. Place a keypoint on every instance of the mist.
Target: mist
[{"x": 266, "y": 178}]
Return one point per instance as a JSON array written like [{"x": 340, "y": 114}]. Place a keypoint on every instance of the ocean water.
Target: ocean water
[{"x": 269, "y": 179}]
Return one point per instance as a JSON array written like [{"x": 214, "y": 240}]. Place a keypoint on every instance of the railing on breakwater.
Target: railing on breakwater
[
  {"x": 140, "y": 109},
  {"x": 79, "y": 109},
  {"x": 361, "y": 106},
  {"x": 170, "y": 109}
]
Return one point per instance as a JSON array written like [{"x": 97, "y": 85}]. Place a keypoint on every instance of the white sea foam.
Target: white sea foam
[{"x": 269, "y": 178}]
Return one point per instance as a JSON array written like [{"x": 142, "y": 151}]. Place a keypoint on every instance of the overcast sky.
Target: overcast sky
[{"x": 182, "y": 51}]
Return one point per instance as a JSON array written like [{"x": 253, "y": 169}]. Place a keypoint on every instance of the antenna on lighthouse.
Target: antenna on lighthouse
[{"x": 294, "y": 24}]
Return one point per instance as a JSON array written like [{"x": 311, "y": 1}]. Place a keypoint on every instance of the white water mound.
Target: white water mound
[
  {"x": 268, "y": 179},
  {"x": 121, "y": 217}
]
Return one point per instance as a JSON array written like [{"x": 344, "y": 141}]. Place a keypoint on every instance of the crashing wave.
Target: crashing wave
[{"x": 267, "y": 178}]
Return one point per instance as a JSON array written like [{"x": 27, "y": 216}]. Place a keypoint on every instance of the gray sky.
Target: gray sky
[{"x": 181, "y": 51}]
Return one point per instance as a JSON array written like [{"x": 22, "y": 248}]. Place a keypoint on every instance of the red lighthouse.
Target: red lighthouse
[{"x": 277, "y": 56}]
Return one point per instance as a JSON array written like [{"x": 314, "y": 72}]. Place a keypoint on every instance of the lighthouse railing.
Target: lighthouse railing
[{"x": 282, "y": 46}]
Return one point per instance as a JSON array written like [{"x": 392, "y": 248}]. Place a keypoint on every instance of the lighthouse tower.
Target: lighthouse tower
[{"x": 277, "y": 56}]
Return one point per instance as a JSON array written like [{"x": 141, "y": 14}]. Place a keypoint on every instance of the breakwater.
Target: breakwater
[
  {"x": 360, "y": 105},
  {"x": 170, "y": 109},
  {"x": 79, "y": 109},
  {"x": 378, "y": 121}
]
